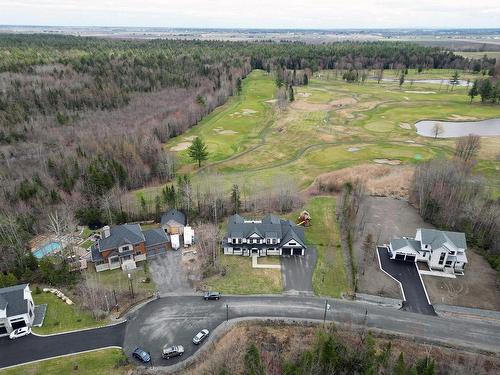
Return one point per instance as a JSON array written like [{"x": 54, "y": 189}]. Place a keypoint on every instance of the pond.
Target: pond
[{"x": 452, "y": 129}]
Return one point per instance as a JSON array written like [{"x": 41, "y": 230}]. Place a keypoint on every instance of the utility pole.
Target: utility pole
[
  {"x": 227, "y": 312},
  {"x": 131, "y": 286},
  {"x": 327, "y": 307}
]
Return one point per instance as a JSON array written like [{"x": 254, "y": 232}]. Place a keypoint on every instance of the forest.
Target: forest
[{"x": 83, "y": 120}]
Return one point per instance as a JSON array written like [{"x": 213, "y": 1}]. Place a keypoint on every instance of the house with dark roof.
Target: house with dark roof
[
  {"x": 269, "y": 236},
  {"x": 441, "y": 250},
  {"x": 16, "y": 308},
  {"x": 173, "y": 221},
  {"x": 124, "y": 245}
]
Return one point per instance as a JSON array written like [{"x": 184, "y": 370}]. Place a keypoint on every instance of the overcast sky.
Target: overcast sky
[{"x": 254, "y": 13}]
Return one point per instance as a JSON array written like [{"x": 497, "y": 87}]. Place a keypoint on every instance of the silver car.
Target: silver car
[
  {"x": 172, "y": 351},
  {"x": 202, "y": 335}
]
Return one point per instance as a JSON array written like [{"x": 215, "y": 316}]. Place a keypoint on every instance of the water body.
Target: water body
[{"x": 452, "y": 129}]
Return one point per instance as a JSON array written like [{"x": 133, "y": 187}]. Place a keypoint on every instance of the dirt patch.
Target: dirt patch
[
  {"x": 476, "y": 288},
  {"x": 383, "y": 218},
  {"x": 343, "y": 102},
  {"x": 380, "y": 180},
  {"x": 420, "y": 92},
  {"x": 405, "y": 125},
  {"x": 181, "y": 146},
  {"x": 387, "y": 161}
]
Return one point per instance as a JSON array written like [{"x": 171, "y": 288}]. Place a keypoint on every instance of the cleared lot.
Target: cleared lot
[{"x": 168, "y": 274}]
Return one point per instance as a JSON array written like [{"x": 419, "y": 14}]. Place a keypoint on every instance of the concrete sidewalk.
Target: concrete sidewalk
[{"x": 271, "y": 266}]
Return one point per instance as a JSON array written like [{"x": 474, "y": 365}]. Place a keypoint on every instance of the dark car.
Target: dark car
[
  {"x": 200, "y": 336},
  {"x": 172, "y": 351},
  {"x": 141, "y": 355},
  {"x": 211, "y": 295}
]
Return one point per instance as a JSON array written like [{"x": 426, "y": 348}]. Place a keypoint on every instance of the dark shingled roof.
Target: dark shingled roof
[
  {"x": 270, "y": 227},
  {"x": 12, "y": 298},
  {"x": 436, "y": 238},
  {"x": 122, "y": 235},
  {"x": 174, "y": 215},
  {"x": 156, "y": 237}
]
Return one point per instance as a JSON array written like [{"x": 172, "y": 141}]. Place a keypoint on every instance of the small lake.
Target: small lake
[{"x": 452, "y": 129}]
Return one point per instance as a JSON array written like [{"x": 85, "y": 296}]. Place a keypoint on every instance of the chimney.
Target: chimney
[{"x": 106, "y": 231}]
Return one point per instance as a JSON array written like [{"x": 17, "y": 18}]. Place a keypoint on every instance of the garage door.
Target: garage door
[
  {"x": 410, "y": 258},
  {"x": 400, "y": 257},
  {"x": 19, "y": 324},
  {"x": 152, "y": 252},
  {"x": 286, "y": 252},
  {"x": 297, "y": 251}
]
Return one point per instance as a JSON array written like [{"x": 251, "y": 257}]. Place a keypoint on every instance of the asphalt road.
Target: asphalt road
[
  {"x": 407, "y": 274},
  {"x": 32, "y": 348},
  {"x": 297, "y": 271},
  {"x": 175, "y": 320}
]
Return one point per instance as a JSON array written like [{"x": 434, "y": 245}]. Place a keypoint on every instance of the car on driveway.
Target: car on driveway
[
  {"x": 172, "y": 351},
  {"x": 200, "y": 336},
  {"x": 141, "y": 355},
  {"x": 20, "y": 332},
  {"x": 211, "y": 295}
]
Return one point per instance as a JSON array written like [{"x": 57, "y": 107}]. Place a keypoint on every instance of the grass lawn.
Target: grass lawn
[
  {"x": 62, "y": 317},
  {"x": 118, "y": 280},
  {"x": 329, "y": 278},
  {"x": 241, "y": 278},
  {"x": 107, "y": 361}
]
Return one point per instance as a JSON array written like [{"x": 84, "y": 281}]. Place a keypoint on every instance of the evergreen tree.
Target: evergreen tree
[
  {"x": 473, "y": 91},
  {"x": 238, "y": 86},
  {"x": 401, "y": 79},
  {"x": 291, "y": 96},
  {"x": 454, "y": 79},
  {"x": 253, "y": 362},
  {"x": 157, "y": 208},
  {"x": 485, "y": 89},
  {"x": 235, "y": 199},
  {"x": 306, "y": 79},
  {"x": 400, "y": 367},
  {"x": 198, "y": 151}
]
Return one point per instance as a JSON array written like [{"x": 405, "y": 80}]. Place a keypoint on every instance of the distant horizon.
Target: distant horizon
[{"x": 256, "y": 14}]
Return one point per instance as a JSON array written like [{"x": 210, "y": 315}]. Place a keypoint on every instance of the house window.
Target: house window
[
  {"x": 138, "y": 252},
  {"x": 441, "y": 258},
  {"x": 114, "y": 259},
  {"x": 268, "y": 241},
  {"x": 448, "y": 262},
  {"x": 274, "y": 241}
]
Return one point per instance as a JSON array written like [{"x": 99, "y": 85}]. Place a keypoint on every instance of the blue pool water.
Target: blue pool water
[{"x": 46, "y": 249}]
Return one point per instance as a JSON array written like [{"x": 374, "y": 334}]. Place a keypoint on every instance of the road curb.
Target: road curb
[
  {"x": 396, "y": 280},
  {"x": 79, "y": 330}
]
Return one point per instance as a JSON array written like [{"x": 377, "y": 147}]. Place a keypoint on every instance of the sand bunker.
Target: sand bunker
[
  {"x": 304, "y": 94},
  {"x": 387, "y": 161},
  {"x": 190, "y": 138},
  {"x": 405, "y": 125},
  {"x": 420, "y": 92},
  {"x": 248, "y": 112},
  {"x": 271, "y": 101},
  {"x": 409, "y": 141},
  {"x": 181, "y": 146},
  {"x": 455, "y": 117},
  {"x": 224, "y": 132},
  {"x": 353, "y": 149}
]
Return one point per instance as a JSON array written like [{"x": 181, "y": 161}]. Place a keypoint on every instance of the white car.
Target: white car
[
  {"x": 202, "y": 335},
  {"x": 20, "y": 332}
]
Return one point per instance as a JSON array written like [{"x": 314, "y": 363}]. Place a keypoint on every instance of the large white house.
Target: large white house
[
  {"x": 441, "y": 250},
  {"x": 269, "y": 236},
  {"x": 16, "y": 308}
]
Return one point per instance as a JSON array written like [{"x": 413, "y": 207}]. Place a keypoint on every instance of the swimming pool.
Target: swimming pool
[{"x": 46, "y": 249}]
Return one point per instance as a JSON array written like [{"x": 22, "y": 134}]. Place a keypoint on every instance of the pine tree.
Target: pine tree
[
  {"x": 253, "y": 362},
  {"x": 198, "y": 151},
  {"x": 473, "y": 91},
  {"x": 400, "y": 367},
  {"x": 291, "y": 96},
  {"x": 238, "y": 86},
  {"x": 235, "y": 199},
  {"x": 306, "y": 79},
  {"x": 454, "y": 79}
]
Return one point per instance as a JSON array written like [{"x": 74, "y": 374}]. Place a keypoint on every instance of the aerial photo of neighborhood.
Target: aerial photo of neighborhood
[{"x": 223, "y": 188}]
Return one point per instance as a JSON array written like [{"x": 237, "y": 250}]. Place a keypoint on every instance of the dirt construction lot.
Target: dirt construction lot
[
  {"x": 386, "y": 218},
  {"x": 477, "y": 288}
]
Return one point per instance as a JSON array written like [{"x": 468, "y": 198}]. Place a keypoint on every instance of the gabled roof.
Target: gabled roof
[
  {"x": 436, "y": 238},
  {"x": 122, "y": 235},
  {"x": 156, "y": 237},
  {"x": 12, "y": 299},
  {"x": 399, "y": 243},
  {"x": 271, "y": 219},
  {"x": 292, "y": 232},
  {"x": 174, "y": 215}
]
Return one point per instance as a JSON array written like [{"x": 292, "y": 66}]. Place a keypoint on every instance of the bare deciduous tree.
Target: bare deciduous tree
[{"x": 467, "y": 147}]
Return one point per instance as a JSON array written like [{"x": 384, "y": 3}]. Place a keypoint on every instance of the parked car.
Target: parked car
[
  {"x": 202, "y": 335},
  {"x": 211, "y": 295},
  {"x": 20, "y": 332},
  {"x": 172, "y": 351},
  {"x": 141, "y": 355}
]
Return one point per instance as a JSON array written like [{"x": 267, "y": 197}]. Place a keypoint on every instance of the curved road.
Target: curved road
[{"x": 175, "y": 320}]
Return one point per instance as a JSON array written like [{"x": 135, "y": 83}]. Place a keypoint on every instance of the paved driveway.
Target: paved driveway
[
  {"x": 297, "y": 272},
  {"x": 32, "y": 348},
  {"x": 407, "y": 274},
  {"x": 168, "y": 275}
]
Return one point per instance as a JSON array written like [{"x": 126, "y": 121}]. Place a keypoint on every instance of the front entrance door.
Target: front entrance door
[{"x": 255, "y": 251}]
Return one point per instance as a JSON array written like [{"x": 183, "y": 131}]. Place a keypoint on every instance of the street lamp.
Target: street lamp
[
  {"x": 327, "y": 308},
  {"x": 130, "y": 285}
]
